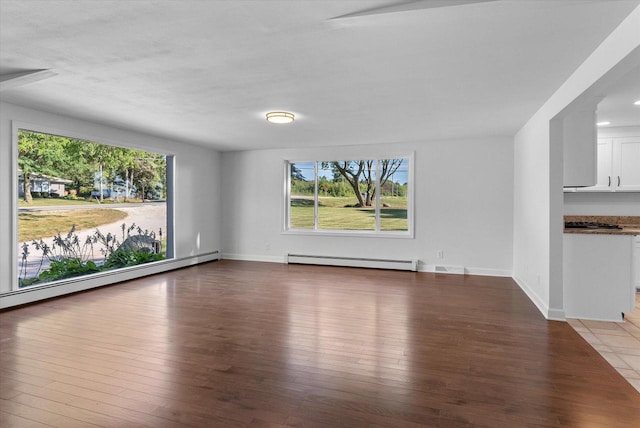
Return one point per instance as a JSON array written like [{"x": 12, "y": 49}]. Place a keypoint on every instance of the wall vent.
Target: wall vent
[
  {"x": 458, "y": 270},
  {"x": 353, "y": 262}
]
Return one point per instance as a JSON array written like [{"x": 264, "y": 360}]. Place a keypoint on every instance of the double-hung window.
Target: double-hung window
[{"x": 364, "y": 196}]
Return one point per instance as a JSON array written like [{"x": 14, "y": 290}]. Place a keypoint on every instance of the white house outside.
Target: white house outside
[{"x": 49, "y": 185}]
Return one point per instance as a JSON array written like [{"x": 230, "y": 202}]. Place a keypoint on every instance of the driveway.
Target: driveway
[{"x": 149, "y": 216}]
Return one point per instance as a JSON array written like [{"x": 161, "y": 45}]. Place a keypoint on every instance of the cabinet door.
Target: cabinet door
[
  {"x": 604, "y": 181},
  {"x": 626, "y": 165}
]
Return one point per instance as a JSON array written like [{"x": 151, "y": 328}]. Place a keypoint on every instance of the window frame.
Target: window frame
[
  {"x": 377, "y": 233},
  {"x": 16, "y": 126}
]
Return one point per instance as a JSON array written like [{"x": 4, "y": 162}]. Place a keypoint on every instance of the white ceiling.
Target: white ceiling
[
  {"x": 617, "y": 107},
  {"x": 207, "y": 71}
]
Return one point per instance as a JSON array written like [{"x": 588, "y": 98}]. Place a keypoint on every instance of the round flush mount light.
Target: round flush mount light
[
  {"x": 280, "y": 117},
  {"x": 637, "y": 103}
]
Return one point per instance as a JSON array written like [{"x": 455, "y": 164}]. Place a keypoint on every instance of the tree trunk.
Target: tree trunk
[
  {"x": 101, "y": 188},
  {"x": 27, "y": 188},
  {"x": 131, "y": 180},
  {"x": 356, "y": 189},
  {"x": 126, "y": 184}
]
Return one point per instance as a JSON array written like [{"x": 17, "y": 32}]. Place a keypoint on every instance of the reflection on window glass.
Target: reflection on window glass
[
  {"x": 86, "y": 208},
  {"x": 353, "y": 195}
]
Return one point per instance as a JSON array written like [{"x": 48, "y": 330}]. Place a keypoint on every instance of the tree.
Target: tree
[
  {"x": 77, "y": 167},
  {"x": 147, "y": 171},
  {"x": 296, "y": 173},
  {"x": 360, "y": 175},
  {"x": 39, "y": 154},
  {"x": 106, "y": 159}
]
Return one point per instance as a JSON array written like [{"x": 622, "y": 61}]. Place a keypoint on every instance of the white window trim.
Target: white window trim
[{"x": 410, "y": 234}]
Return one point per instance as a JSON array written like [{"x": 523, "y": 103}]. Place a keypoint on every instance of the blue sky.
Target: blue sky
[{"x": 307, "y": 169}]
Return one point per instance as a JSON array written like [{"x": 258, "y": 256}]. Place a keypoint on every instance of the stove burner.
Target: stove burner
[{"x": 589, "y": 225}]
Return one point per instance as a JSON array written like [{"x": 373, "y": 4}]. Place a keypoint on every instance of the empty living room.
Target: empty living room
[{"x": 313, "y": 213}]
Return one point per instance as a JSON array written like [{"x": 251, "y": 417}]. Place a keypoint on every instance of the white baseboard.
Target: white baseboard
[
  {"x": 556, "y": 315},
  {"x": 549, "y": 313},
  {"x": 462, "y": 270},
  {"x": 489, "y": 272},
  {"x": 72, "y": 285}
]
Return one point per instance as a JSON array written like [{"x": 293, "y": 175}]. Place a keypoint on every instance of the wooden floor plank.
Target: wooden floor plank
[{"x": 244, "y": 344}]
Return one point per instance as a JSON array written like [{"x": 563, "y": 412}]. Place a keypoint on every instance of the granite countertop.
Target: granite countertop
[{"x": 630, "y": 224}]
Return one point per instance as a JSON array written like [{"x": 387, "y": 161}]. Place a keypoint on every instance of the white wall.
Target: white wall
[
  {"x": 197, "y": 181},
  {"x": 538, "y": 200},
  {"x": 463, "y": 205}
]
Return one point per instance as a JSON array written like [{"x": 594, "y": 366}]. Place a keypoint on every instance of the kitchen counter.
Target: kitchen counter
[{"x": 630, "y": 225}]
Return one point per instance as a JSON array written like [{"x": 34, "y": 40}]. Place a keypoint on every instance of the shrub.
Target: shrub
[
  {"x": 68, "y": 256},
  {"x": 67, "y": 268},
  {"x": 122, "y": 258}
]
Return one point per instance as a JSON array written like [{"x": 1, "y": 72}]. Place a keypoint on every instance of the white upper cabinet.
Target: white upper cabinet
[
  {"x": 618, "y": 165},
  {"x": 626, "y": 165}
]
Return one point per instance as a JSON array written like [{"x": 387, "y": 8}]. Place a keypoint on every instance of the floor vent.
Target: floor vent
[
  {"x": 458, "y": 270},
  {"x": 353, "y": 262}
]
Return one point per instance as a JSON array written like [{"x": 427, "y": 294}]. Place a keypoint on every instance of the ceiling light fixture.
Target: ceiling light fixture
[
  {"x": 605, "y": 123},
  {"x": 280, "y": 117},
  {"x": 637, "y": 103}
]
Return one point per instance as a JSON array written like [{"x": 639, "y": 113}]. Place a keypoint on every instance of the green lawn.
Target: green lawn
[
  {"x": 46, "y": 224},
  {"x": 51, "y": 202},
  {"x": 333, "y": 214}
]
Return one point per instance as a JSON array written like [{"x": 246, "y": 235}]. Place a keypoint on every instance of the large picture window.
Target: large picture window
[
  {"x": 369, "y": 196},
  {"x": 86, "y": 208}
]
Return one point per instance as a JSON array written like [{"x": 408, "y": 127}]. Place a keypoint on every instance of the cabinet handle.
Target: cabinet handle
[
  {"x": 618, "y": 181},
  {"x": 609, "y": 182}
]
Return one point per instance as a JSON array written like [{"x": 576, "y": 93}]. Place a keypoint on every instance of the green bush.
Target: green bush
[
  {"x": 123, "y": 258},
  {"x": 68, "y": 256},
  {"x": 67, "y": 268}
]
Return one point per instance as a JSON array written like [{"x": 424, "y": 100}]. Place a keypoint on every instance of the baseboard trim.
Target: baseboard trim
[
  {"x": 489, "y": 272},
  {"x": 556, "y": 315},
  {"x": 551, "y": 314},
  {"x": 467, "y": 271},
  {"x": 73, "y": 285}
]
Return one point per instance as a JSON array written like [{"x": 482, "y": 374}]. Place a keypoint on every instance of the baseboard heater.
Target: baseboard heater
[{"x": 353, "y": 262}]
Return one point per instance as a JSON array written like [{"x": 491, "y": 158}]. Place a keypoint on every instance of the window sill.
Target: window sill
[{"x": 350, "y": 233}]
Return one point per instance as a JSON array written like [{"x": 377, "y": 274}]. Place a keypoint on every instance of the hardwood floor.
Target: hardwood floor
[{"x": 244, "y": 344}]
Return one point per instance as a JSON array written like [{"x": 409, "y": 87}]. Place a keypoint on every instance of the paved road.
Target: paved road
[{"x": 149, "y": 216}]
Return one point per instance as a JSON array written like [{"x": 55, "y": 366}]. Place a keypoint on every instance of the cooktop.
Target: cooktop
[{"x": 589, "y": 225}]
